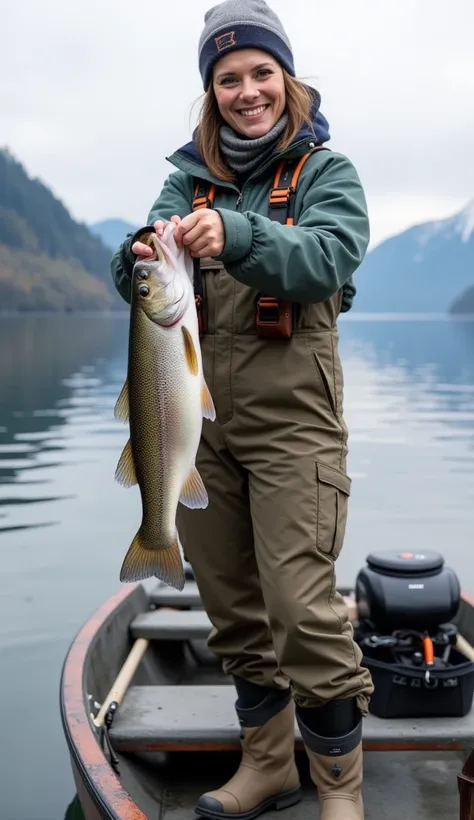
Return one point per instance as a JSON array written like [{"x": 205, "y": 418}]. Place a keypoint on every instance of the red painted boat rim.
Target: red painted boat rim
[{"x": 103, "y": 785}]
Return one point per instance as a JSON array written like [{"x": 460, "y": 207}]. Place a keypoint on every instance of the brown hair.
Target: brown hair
[{"x": 298, "y": 107}]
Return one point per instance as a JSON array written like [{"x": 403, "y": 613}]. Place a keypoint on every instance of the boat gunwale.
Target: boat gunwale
[{"x": 102, "y": 783}]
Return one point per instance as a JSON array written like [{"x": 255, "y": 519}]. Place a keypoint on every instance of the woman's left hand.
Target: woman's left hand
[{"x": 202, "y": 232}]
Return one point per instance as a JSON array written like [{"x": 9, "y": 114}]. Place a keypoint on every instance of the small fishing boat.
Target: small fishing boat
[{"x": 141, "y": 696}]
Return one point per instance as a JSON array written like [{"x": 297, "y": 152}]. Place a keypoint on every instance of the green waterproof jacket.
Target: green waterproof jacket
[{"x": 306, "y": 262}]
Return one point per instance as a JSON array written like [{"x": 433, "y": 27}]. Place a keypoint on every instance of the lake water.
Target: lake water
[{"x": 64, "y": 523}]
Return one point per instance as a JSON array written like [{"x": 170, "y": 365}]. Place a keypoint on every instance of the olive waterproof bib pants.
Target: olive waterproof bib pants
[{"x": 274, "y": 466}]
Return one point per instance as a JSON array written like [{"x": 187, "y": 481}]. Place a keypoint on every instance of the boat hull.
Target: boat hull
[
  {"x": 100, "y": 791},
  {"x": 89, "y": 809},
  {"x": 143, "y": 787}
]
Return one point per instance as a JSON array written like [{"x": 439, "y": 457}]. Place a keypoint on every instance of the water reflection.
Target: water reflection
[
  {"x": 409, "y": 395},
  {"x": 53, "y": 371},
  {"x": 415, "y": 375}
]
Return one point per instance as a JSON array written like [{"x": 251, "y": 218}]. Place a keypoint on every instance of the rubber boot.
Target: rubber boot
[
  {"x": 267, "y": 776},
  {"x": 336, "y": 770}
]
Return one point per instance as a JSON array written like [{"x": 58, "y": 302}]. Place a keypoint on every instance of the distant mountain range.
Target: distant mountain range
[
  {"x": 428, "y": 268},
  {"x": 113, "y": 231}
]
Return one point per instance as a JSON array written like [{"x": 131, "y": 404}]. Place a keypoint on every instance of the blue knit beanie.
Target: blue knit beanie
[{"x": 238, "y": 24}]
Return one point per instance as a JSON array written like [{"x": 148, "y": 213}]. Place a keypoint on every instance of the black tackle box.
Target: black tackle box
[{"x": 407, "y": 604}]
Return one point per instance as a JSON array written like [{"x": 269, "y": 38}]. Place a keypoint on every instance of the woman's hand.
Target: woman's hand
[
  {"x": 202, "y": 232},
  {"x": 142, "y": 250}
]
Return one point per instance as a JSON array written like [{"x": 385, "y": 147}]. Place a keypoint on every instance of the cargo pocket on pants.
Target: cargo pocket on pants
[{"x": 333, "y": 491}]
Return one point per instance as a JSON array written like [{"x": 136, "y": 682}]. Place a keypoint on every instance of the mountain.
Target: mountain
[
  {"x": 464, "y": 304},
  {"x": 48, "y": 261},
  {"x": 423, "y": 269},
  {"x": 113, "y": 231}
]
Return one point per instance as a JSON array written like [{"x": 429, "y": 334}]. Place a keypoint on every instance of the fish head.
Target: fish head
[{"x": 162, "y": 285}]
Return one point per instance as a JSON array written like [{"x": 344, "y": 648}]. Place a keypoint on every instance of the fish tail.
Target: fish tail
[{"x": 142, "y": 562}]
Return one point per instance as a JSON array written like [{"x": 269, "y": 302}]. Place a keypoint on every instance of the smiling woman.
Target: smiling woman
[
  {"x": 250, "y": 92},
  {"x": 252, "y": 107},
  {"x": 277, "y": 225}
]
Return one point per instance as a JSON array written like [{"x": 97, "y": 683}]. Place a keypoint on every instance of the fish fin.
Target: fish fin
[
  {"x": 193, "y": 492},
  {"x": 190, "y": 350},
  {"x": 141, "y": 562},
  {"x": 208, "y": 409},
  {"x": 125, "y": 473},
  {"x": 122, "y": 407}
]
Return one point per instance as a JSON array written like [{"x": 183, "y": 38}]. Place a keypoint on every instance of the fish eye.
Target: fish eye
[{"x": 143, "y": 290}]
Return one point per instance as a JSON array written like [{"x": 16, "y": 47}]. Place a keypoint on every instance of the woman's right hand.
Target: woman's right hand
[{"x": 142, "y": 250}]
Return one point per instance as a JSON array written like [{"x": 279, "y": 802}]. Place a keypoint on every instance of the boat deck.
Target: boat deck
[
  {"x": 192, "y": 718},
  {"x": 400, "y": 785}
]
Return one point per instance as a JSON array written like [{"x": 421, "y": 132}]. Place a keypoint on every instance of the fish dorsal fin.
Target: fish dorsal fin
[
  {"x": 190, "y": 351},
  {"x": 122, "y": 406}
]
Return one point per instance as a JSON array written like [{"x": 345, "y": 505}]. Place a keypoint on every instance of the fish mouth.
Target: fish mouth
[{"x": 162, "y": 253}]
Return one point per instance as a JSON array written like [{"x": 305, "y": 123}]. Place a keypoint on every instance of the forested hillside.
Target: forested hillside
[{"x": 48, "y": 261}]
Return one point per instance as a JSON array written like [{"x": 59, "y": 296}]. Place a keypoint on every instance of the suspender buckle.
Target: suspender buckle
[
  {"x": 279, "y": 197},
  {"x": 274, "y": 318}
]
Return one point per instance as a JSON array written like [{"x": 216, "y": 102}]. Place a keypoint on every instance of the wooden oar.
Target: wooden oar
[
  {"x": 464, "y": 647},
  {"x": 123, "y": 679}
]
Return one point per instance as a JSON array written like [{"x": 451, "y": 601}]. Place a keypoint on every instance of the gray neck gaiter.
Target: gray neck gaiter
[{"x": 243, "y": 155}]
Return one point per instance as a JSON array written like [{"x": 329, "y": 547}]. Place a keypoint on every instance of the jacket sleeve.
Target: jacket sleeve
[
  {"x": 176, "y": 197},
  {"x": 312, "y": 260}
]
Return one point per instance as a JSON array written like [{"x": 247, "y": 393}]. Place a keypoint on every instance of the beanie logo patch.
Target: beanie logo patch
[{"x": 225, "y": 41}]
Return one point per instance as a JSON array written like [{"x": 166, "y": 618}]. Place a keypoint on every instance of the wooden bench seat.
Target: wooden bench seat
[
  {"x": 160, "y": 718},
  {"x": 171, "y": 625},
  {"x": 163, "y": 595}
]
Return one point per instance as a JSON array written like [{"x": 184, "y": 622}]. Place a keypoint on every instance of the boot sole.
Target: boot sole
[{"x": 278, "y": 802}]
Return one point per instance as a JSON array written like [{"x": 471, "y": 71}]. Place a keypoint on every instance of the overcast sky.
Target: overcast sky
[{"x": 94, "y": 94}]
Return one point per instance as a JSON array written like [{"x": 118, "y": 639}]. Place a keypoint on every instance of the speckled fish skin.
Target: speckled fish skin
[{"x": 164, "y": 399}]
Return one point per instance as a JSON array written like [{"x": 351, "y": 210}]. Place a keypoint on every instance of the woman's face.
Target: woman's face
[{"x": 250, "y": 91}]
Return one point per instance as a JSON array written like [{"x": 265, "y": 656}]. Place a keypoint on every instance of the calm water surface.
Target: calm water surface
[{"x": 65, "y": 524}]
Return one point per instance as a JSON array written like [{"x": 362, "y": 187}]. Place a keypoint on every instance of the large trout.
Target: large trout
[{"x": 164, "y": 399}]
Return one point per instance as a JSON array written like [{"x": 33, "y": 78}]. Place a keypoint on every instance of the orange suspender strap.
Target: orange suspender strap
[
  {"x": 275, "y": 317},
  {"x": 282, "y": 195},
  {"x": 204, "y": 196}
]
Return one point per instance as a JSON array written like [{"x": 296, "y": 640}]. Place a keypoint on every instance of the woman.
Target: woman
[{"x": 274, "y": 462}]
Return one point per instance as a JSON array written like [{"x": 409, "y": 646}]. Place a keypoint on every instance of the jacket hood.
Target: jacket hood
[{"x": 319, "y": 131}]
